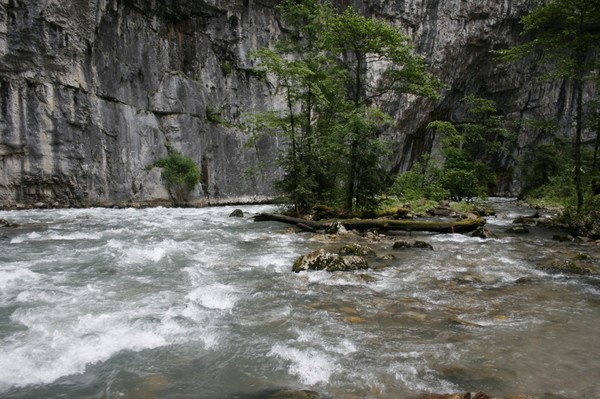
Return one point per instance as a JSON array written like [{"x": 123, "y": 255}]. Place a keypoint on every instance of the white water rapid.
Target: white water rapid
[{"x": 190, "y": 303}]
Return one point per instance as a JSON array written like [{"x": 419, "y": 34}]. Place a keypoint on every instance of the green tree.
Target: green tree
[
  {"x": 468, "y": 144},
  {"x": 181, "y": 173},
  {"x": 306, "y": 78},
  {"x": 422, "y": 181},
  {"x": 324, "y": 71},
  {"x": 567, "y": 35},
  {"x": 363, "y": 43}
]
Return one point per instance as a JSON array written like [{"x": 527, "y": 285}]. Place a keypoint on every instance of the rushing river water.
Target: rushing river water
[{"x": 190, "y": 303}]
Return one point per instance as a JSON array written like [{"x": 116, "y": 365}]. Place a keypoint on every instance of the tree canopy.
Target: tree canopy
[
  {"x": 332, "y": 70},
  {"x": 566, "y": 34}
]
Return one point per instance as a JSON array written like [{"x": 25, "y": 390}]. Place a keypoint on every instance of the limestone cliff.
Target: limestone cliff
[{"x": 94, "y": 91}]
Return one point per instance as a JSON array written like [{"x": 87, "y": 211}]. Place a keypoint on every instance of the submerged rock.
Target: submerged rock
[
  {"x": 557, "y": 266},
  {"x": 238, "y": 213},
  {"x": 291, "y": 394},
  {"x": 533, "y": 219},
  {"x": 401, "y": 244},
  {"x": 562, "y": 238},
  {"x": 482, "y": 232},
  {"x": 473, "y": 395},
  {"x": 321, "y": 260},
  {"x": 518, "y": 230},
  {"x": 282, "y": 394},
  {"x": 6, "y": 223}
]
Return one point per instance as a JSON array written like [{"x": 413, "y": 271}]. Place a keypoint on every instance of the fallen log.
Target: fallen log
[{"x": 436, "y": 226}]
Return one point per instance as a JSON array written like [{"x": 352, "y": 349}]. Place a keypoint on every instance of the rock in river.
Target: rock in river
[
  {"x": 401, "y": 244},
  {"x": 321, "y": 260},
  {"x": 482, "y": 232},
  {"x": 6, "y": 223},
  {"x": 238, "y": 213},
  {"x": 558, "y": 266}
]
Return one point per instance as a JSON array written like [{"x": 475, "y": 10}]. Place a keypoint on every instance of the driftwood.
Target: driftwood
[{"x": 436, "y": 226}]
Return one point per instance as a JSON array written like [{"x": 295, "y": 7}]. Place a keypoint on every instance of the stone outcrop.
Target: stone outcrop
[{"x": 94, "y": 91}]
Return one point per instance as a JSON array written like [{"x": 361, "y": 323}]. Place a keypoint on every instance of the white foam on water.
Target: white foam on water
[
  {"x": 10, "y": 277},
  {"x": 454, "y": 238},
  {"x": 210, "y": 339},
  {"x": 44, "y": 353},
  {"x": 25, "y": 237},
  {"x": 154, "y": 252},
  {"x": 344, "y": 347},
  {"x": 309, "y": 365},
  {"x": 280, "y": 263},
  {"x": 151, "y": 253},
  {"x": 215, "y": 296},
  {"x": 315, "y": 335},
  {"x": 34, "y": 295},
  {"x": 55, "y": 235},
  {"x": 417, "y": 377},
  {"x": 71, "y": 236}
]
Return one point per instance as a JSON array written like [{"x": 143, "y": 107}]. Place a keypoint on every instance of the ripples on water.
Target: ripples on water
[{"x": 177, "y": 303}]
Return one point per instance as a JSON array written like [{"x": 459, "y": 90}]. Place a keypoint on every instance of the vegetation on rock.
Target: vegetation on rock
[{"x": 181, "y": 174}]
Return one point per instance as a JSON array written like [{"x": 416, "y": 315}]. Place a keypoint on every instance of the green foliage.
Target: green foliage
[
  {"x": 550, "y": 175},
  {"x": 181, "y": 173},
  {"x": 213, "y": 115},
  {"x": 226, "y": 68},
  {"x": 330, "y": 124},
  {"x": 542, "y": 163},
  {"x": 423, "y": 180},
  {"x": 565, "y": 33},
  {"x": 466, "y": 145}
]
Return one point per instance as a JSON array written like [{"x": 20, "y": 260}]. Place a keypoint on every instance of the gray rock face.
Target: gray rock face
[{"x": 94, "y": 91}]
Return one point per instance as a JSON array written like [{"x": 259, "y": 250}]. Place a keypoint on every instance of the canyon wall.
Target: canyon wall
[{"x": 93, "y": 92}]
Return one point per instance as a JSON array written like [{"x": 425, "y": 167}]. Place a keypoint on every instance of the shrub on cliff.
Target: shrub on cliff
[{"x": 181, "y": 174}]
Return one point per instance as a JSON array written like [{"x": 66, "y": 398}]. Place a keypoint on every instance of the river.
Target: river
[{"x": 192, "y": 303}]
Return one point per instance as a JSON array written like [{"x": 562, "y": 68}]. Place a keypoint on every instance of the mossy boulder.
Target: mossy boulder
[
  {"x": 322, "y": 260},
  {"x": 357, "y": 249},
  {"x": 518, "y": 230},
  {"x": 292, "y": 394}
]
